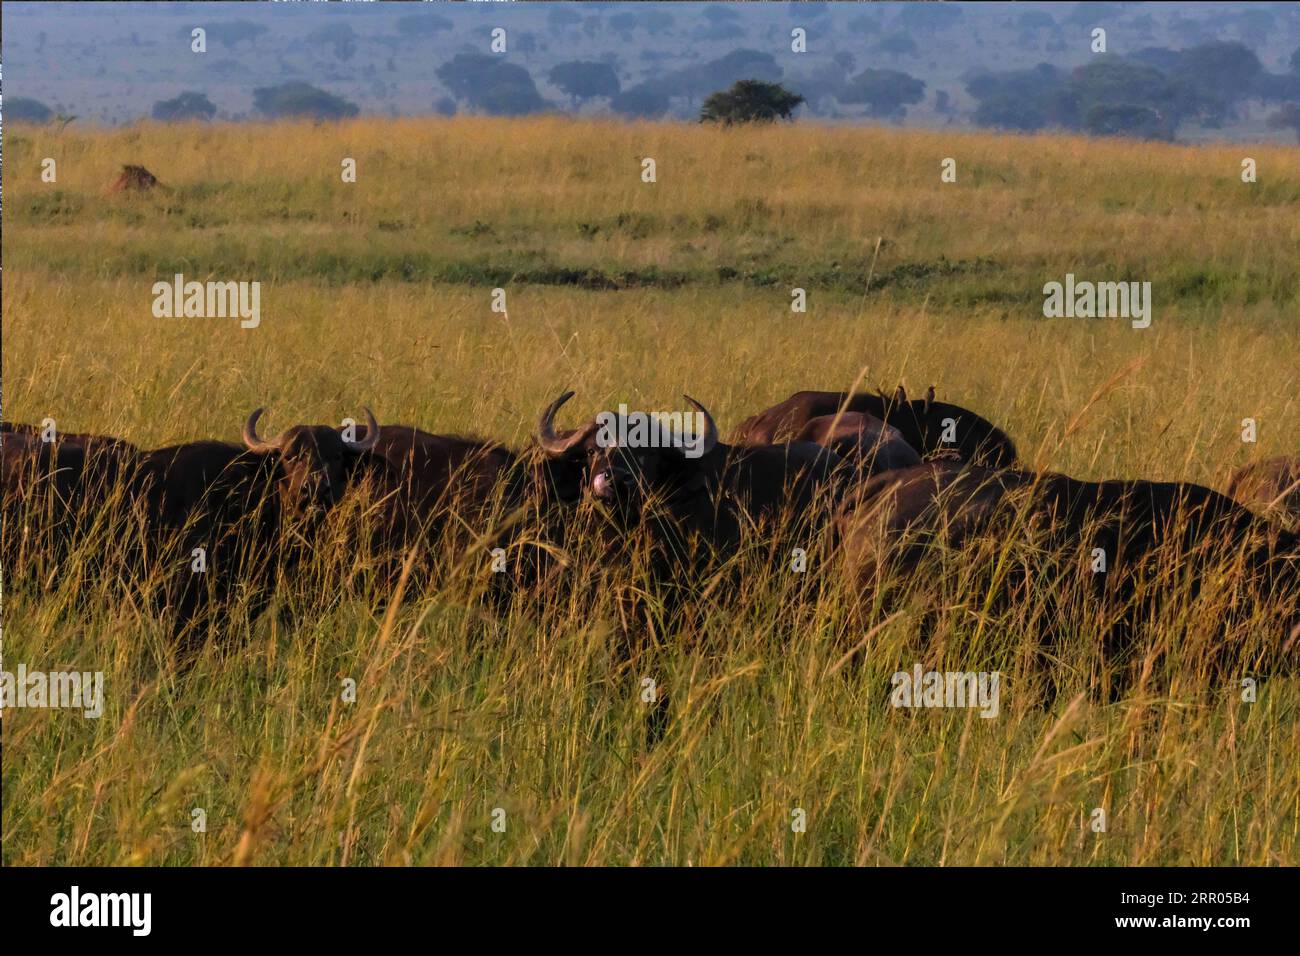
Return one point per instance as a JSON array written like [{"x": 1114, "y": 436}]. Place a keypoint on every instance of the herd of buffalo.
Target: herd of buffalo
[{"x": 876, "y": 484}]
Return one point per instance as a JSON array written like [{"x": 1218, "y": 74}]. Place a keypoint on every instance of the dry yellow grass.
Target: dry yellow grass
[{"x": 377, "y": 293}]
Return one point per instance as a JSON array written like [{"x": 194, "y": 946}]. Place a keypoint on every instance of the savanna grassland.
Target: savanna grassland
[{"x": 378, "y": 293}]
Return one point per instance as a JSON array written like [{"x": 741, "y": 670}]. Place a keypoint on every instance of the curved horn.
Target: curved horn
[
  {"x": 551, "y": 443},
  {"x": 929, "y": 399},
  {"x": 710, "y": 427},
  {"x": 372, "y": 434},
  {"x": 250, "y": 434}
]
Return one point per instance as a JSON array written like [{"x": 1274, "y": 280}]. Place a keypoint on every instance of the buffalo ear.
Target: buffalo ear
[
  {"x": 929, "y": 399},
  {"x": 900, "y": 394}
]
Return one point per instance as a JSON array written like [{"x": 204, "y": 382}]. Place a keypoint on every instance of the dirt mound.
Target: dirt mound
[{"x": 134, "y": 179}]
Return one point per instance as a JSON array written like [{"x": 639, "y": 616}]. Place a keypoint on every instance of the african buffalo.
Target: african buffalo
[
  {"x": 713, "y": 492},
  {"x": 452, "y": 495},
  {"x": 211, "y": 520},
  {"x": 1129, "y": 542},
  {"x": 694, "y": 498},
  {"x": 676, "y": 507},
  {"x": 931, "y": 428},
  {"x": 25, "y": 435},
  {"x": 861, "y": 439},
  {"x": 51, "y": 493},
  {"x": 1272, "y": 486},
  {"x": 315, "y": 460},
  {"x": 153, "y": 509}
]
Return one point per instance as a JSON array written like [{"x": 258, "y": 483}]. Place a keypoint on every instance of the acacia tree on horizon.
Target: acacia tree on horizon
[{"x": 750, "y": 101}]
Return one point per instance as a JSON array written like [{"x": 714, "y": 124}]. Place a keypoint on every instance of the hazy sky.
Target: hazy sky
[{"x": 110, "y": 62}]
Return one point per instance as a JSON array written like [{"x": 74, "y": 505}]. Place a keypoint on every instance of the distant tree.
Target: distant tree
[
  {"x": 1226, "y": 69},
  {"x": 423, "y": 25},
  {"x": 750, "y": 101},
  {"x": 1045, "y": 96},
  {"x": 1024, "y": 85},
  {"x": 445, "y": 106},
  {"x": 1288, "y": 117},
  {"x": 26, "y": 110},
  {"x": 465, "y": 73},
  {"x": 1162, "y": 58},
  {"x": 820, "y": 85},
  {"x": 1112, "y": 81},
  {"x": 491, "y": 84},
  {"x": 510, "y": 96},
  {"x": 646, "y": 100},
  {"x": 1277, "y": 87},
  {"x": 583, "y": 79},
  {"x": 1002, "y": 111},
  {"x": 186, "y": 106},
  {"x": 1061, "y": 107},
  {"x": 942, "y": 102},
  {"x": 885, "y": 93},
  {"x": 301, "y": 99},
  {"x": 1127, "y": 119}
]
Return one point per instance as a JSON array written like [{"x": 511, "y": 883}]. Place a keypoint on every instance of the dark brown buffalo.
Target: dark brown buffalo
[
  {"x": 931, "y": 428},
  {"x": 1146, "y": 530},
  {"x": 446, "y": 493},
  {"x": 1272, "y": 487},
  {"x": 222, "y": 499},
  {"x": 315, "y": 460},
  {"x": 51, "y": 493},
  {"x": 151, "y": 510},
  {"x": 441, "y": 474},
  {"x": 692, "y": 509},
  {"x": 714, "y": 494},
  {"x": 679, "y": 515},
  {"x": 861, "y": 439},
  {"x": 25, "y": 435}
]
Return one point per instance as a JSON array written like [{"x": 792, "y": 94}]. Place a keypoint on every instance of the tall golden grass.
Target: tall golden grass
[{"x": 378, "y": 293}]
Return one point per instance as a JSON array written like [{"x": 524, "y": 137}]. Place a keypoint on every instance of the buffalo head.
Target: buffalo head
[
  {"x": 628, "y": 458},
  {"x": 315, "y": 459}
]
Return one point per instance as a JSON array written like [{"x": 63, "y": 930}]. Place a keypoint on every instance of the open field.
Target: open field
[{"x": 378, "y": 293}]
